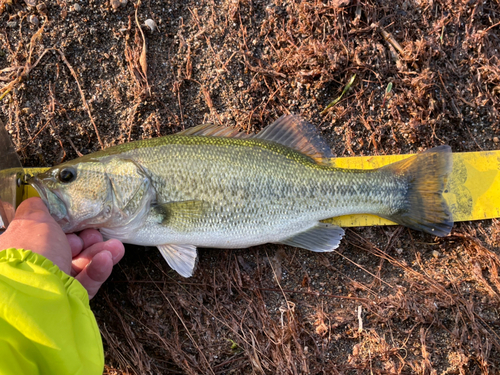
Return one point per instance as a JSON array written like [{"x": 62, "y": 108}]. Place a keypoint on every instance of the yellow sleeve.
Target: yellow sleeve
[{"x": 46, "y": 325}]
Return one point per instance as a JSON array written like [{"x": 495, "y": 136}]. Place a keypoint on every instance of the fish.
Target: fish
[{"x": 215, "y": 187}]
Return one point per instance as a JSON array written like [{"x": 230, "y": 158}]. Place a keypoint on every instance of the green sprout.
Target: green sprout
[
  {"x": 346, "y": 88},
  {"x": 235, "y": 348},
  {"x": 388, "y": 89}
]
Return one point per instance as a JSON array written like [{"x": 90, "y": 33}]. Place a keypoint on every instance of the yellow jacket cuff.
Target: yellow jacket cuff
[{"x": 46, "y": 325}]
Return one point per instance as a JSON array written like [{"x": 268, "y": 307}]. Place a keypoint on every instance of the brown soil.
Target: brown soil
[{"x": 80, "y": 80}]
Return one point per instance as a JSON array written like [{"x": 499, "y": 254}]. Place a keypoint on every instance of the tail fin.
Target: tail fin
[{"x": 425, "y": 208}]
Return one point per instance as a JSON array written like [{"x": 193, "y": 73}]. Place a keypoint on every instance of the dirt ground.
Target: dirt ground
[{"x": 80, "y": 75}]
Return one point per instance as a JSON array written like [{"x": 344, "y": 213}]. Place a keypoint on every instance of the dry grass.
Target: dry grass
[
  {"x": 435, "y": 315},
  {"x": 425, "y": 305}
]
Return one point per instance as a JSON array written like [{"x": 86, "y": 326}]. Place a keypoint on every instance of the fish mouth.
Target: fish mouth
[{"x": 56, "y": 206}]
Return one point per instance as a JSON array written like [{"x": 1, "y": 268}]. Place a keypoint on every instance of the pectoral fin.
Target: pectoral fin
[
  {"x": 182, "y": 258},
  {"x": 180, "y": 214},
  {"x": 320, "y": 238}
]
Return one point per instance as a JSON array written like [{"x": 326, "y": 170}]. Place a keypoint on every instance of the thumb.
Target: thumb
[
  {"x": 34, "y": 229},
  {"x": 32, "y": 209}
]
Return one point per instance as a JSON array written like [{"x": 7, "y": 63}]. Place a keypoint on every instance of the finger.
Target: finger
[
  {"x": 75, "y": 243},
  {"x": 115, "y": 247},
  {"x": 85, "y": 239},
  {"x": 96, "y": 272},
  {"x": 90, "y": 237}
]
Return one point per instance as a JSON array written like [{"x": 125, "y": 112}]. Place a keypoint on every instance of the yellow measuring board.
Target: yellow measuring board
[{"x": 472, "y": 190}]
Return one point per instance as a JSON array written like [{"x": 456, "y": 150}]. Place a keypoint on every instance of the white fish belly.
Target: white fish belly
[{"x": 154, "y": 234}]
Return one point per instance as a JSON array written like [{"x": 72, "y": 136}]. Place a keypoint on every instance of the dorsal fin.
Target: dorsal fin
[
  {"x": 212, "y": 130},
  {"x": 296, "y": 133},
  {"x": 288, "y": 130}
]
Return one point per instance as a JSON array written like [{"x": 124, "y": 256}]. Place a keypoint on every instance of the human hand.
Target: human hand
[{"x": 85, "y": 256}]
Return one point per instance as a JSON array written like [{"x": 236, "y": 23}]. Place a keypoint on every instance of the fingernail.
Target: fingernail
[
  {"x": 101, "y": 252},
  {"x": 107, "y": 252},
  {"x": 114, "y": 256}
]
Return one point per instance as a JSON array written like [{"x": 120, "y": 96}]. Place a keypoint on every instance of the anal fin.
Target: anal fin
[
  {"x": 322, "y": 237},
  {"x": 182, "y": 258}
]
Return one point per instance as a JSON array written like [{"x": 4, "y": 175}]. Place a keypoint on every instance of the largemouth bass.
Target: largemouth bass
[{"x": 211, "y": 186}]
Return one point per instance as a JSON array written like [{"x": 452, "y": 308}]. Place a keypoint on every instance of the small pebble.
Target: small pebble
[
  {"x": 77, "y": 7},
  {"x": 496, "y": 140},
  {"x": 151, "y": 24},
  {"x": 11, "y": 24},
  {"x": 435, "y": 254},
  {"x": 42, "y": 8},
  {"x": 26, "y": 111},
  {"x": 30, "y": 3},
  {"x": 33, "y": 20},
  {"x": 115, "y": 4}
]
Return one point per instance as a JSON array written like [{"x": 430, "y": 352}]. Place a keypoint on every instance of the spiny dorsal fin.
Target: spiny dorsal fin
[
  {"x": 296, "y": 133},
  {"x": 288, "y": 130},
  {"x": 212, "y": 130}
]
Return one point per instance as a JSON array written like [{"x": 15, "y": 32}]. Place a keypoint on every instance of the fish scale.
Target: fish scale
[
  {"x": 193, "y": 190},
  {"x": 264, "y": 196}
]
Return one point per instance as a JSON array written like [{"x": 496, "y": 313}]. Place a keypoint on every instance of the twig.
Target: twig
[
  {"x": 74, "y": 148},
  {"x": 257, "y": 69},
  {"x": 187, "y": 330},
  {"x": 317, "y": 294},
  {"x": 36, "y": 135},
  {"x": 489, "y": 28},
  {"x": 360, "y": 319},
  {"x": 364, "y": 269},
  {"x": 143, "y": 58},
  {"x": 131, "y": 121},
  {"x": 27, "y": 66},
  {"x": 290, "y": 306},
  {"x": 82, "y": 95},
  {"x": 177, "y": 89},
  {"x": 210, "y": 104},
  {"x": 390, "y": 39},
  {"x": 211, "y": 313}
]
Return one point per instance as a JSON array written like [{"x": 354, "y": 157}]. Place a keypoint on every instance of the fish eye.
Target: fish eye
[{"x": 67, "y": 175}]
